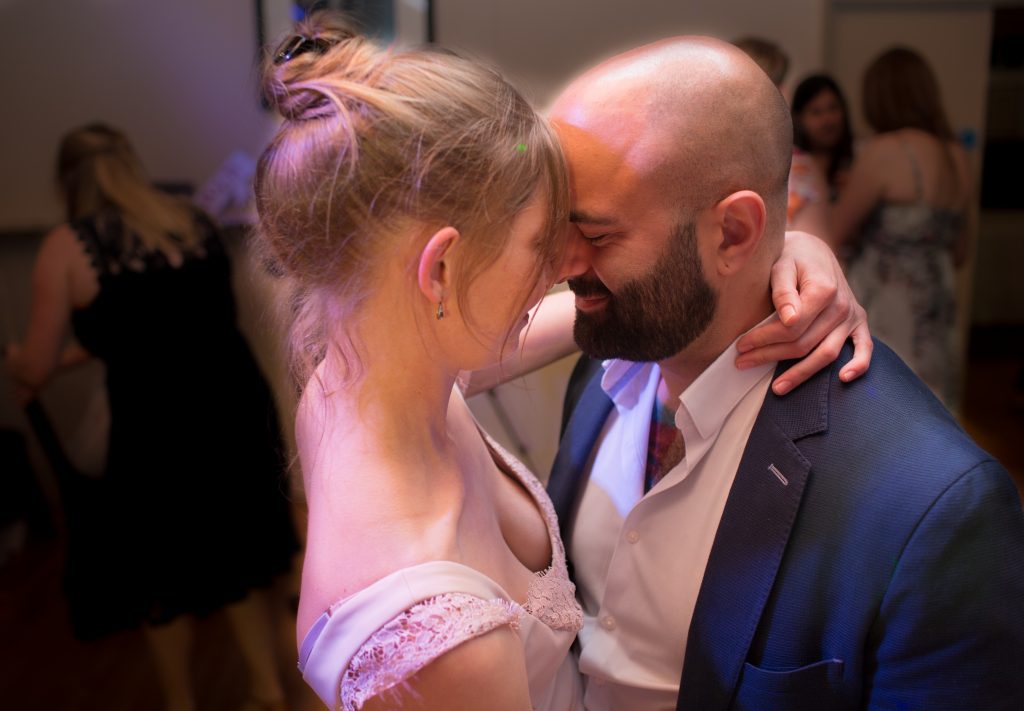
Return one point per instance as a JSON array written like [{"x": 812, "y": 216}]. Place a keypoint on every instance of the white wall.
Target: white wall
[
  {"x": 956, "y": 41},
  {"x": 178, "y": 77},
  {"x": 542, "y": 43}
]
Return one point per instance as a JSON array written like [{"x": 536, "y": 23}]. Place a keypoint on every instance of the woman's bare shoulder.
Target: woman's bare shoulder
[
  {"x": 358, "y": 531},
  {"x": 365, "y": 517},
  {"x": 62, "y": 236},
  {"x": 61, "y": 245},
  {"x": 63, "y": 258}
]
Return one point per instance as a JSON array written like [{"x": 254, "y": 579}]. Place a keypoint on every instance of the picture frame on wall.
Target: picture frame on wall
[{"x": 401, "y": 22}]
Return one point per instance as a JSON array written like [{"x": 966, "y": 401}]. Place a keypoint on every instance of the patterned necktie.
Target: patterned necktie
[{"x": 665, "y": 447}]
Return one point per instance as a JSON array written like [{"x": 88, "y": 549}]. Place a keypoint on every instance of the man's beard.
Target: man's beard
[{"x": 654, "y": 317}]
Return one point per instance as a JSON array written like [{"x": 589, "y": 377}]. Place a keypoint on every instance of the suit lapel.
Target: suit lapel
[
  {"x": 752, "y": 536},
  {"x": 581, "y": 432}
]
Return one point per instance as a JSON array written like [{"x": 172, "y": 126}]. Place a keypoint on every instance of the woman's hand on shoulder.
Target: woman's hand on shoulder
[
  {"x": 816, "y": 312},
  {"x": 487, "y": 673}
]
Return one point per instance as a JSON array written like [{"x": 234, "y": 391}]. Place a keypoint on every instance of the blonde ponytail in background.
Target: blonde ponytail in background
[{"x": 97, "y": 170}]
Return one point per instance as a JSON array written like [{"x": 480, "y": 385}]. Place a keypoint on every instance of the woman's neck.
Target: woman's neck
[{"x": 397, "y": 403}]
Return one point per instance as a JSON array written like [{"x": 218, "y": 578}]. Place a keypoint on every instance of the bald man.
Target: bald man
[{"x": 845, "y": 546}]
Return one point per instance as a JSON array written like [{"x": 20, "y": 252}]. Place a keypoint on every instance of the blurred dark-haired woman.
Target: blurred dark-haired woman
[{"x": 821, "y": 129}]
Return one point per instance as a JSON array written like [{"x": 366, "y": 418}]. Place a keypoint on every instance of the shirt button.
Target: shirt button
[
  {"x": 608, "y": 622},
  {"x": 633, "y": 536}
]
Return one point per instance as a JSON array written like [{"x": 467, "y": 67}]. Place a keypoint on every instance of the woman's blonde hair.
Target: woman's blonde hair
[
  {"x": 375, "y": 141},
  {"x": 98, "y": 170}
]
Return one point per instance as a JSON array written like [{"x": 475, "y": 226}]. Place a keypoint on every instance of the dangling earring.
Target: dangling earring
[{"x": 440, "y": 310}]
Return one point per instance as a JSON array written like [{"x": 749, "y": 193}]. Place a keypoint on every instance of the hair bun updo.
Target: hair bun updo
[
  {"x": 381, "y": 147},
  {"x": 324, "y": 43}
]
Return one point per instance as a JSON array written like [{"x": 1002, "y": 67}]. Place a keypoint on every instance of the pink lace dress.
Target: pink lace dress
[{"x": 375, "y": 640}]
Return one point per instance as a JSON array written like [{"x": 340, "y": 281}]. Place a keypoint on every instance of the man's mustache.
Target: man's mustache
[{"x": 588, "y": 287}]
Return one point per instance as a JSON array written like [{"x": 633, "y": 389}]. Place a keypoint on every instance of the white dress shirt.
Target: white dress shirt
[{"x": 639, "y": 559}]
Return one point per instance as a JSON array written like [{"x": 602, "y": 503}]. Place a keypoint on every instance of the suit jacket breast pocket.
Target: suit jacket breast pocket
[{"x": 810, "y": 688}]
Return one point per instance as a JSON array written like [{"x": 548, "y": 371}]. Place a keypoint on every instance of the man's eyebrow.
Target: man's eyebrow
[{"x": 588, "y": 219}]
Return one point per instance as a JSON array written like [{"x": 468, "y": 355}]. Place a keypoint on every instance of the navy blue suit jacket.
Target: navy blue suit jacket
[{"x": 870, "y": 554}]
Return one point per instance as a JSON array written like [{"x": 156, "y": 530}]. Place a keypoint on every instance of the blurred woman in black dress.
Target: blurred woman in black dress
[{"x": 193, "y": 515}]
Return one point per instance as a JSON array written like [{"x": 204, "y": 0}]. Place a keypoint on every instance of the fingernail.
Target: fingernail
[
  {"x": 846, "y": 376},
  {"x": 787, "y": 313},
  {"x": 782, "y": 387},
  {"x": 743, "y": 363}
]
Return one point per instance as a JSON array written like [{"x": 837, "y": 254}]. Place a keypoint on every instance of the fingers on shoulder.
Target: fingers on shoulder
[
  {"x": 821, "y": 292},
  {"x": 863, "y": 347},
  {"x": 486, "y": 672}
]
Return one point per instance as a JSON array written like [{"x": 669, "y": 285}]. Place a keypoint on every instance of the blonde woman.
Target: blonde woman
[
  {"x": 416, "y": 205},
  {"x": 193, "y": 516}
]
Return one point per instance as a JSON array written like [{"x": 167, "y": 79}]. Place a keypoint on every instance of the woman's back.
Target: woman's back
[
  {"x": 918, "y": 168},
  {"x": 150, "y": 303},
  {"x": 905, "y": 207},
  {"x": 164, "y": 326},
  {"x": 195, "y": 456}
]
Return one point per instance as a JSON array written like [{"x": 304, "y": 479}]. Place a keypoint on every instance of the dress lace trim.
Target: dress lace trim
[
  {"x": 551, "y": 595},
  {"x": 414, "y": 638}
]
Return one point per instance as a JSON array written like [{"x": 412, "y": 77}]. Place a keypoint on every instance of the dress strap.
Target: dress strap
[{"x": 915, "y": 169}]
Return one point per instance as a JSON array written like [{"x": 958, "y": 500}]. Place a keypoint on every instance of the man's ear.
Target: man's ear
[
  {"x": 433, "y": 273},
  {"x": 741, "y": 217}
]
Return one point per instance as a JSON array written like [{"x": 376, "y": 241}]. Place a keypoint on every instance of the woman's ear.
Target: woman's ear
[
  {"x": 433, "y": 273},
  {"x": 742, "y": 218}
]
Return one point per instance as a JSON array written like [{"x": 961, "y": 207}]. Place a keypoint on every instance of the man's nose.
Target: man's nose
[{"x": 576, "y": 260}]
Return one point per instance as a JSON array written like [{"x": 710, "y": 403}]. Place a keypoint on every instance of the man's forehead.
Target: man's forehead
[
  {"x": 609, "y": 147},
  {"x": 607, "y": 171}
]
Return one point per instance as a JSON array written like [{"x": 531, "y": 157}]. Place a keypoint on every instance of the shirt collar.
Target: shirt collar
[
  {"x": 712, "y": 396},
  {"x": 621, "y": 383},
  {"x": 707, "y": 401}
]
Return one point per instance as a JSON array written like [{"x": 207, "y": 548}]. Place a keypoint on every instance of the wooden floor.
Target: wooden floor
[
  {"x": 993, "y": 411},
  {"x": 43, "y": 667}
]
